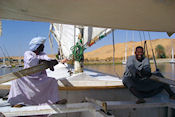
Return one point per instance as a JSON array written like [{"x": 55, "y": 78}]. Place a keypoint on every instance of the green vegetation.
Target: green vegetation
[
  {"x": 101, "y": 63},
  {"x": 160, "y": 51}
]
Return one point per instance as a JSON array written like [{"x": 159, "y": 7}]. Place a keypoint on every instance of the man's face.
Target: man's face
[
  {"x": 40, "y": 49},
  {"x": 139, "y": 54}
]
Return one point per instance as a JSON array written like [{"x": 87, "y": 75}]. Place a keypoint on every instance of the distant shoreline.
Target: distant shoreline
[{"x": 166, "y": 60}]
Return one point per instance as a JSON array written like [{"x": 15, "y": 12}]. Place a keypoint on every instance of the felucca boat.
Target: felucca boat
[{"x": 102, "y": 95}]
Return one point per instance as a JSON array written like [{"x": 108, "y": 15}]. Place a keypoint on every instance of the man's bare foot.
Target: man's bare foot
[
  {"x": 63, "y": 101},
  {"x": 139, "y": 101},
  {"x": 18, "y": 105}
]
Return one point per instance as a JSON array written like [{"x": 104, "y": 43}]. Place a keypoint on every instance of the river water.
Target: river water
[
  {"x": 167, "y": 69},
  {"x": 9, "y": 70}
]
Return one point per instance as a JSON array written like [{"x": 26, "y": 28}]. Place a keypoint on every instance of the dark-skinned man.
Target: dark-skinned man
[
  {"x": 37, "y": 88},
  {"x": 136, "y": 78}
]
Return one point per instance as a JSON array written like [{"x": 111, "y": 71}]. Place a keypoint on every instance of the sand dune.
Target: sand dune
[{"x": 107, "y": 51}]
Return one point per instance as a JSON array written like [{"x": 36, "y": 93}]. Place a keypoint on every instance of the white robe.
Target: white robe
[{"x": 34, "y": 89}]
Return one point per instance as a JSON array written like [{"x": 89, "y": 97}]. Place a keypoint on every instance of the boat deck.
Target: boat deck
[{"x": 87, "y": 80}]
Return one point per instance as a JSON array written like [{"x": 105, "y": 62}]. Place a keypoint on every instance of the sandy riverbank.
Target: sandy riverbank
[{"x": 106, "y": 52}]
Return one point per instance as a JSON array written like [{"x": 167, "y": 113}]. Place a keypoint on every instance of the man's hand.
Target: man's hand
[
  {"x": 145, "y": 73},
  {"x": 63, "y": 60},
  {"x": 139, "y": 74},
  {"x": 50, "y": 63}
]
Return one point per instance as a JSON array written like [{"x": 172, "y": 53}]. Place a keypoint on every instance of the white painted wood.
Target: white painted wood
[
  {"x": 129, "y": 104},
  {"x": 79, "y": 107},
  {"x": 99, "y": 113},
  {"x": 78, "y": 67},
  {"x": 47, "y": 109},
  {"x": 100, "y": 103}
]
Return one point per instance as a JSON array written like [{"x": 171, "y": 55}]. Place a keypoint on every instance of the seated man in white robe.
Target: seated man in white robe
[
  {"x": 136, "y": 78},
  {"x": 37, "y": 88}
]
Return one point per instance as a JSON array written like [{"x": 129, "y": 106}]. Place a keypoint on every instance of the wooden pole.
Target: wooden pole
[
  {"x": 163, "y": 80},
  {"x": 24, "y": 72}
]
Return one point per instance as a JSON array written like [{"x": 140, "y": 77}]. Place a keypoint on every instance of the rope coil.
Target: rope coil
[{"x": 77, "y": 51}]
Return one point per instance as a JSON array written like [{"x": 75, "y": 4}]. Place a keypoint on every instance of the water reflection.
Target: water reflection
[
  {"x": 9, "y": 70},
  {"x": 166, "y": 69},
  {"x": 172, "y": 70}
]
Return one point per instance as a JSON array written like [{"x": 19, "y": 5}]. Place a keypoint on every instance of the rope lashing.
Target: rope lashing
[{"x": 77, "y": 51}]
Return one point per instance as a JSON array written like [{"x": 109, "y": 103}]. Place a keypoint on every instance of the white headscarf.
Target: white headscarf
[{"x": 36, "y": 42}]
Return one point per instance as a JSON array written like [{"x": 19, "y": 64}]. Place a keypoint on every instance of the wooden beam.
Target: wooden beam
[
  {"x": 7, "y": 87},
  {"x": 132, "y": 104},
  {"x": 24, "y": 72},
  {"x": 163, "y": 80}
]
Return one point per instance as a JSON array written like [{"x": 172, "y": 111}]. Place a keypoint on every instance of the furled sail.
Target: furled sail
[{"x": 68, "y": 35}]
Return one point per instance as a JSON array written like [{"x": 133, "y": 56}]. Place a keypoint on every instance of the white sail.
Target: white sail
[
  {"x": 64, "y": 35},
  {"x": 67, "y": 36}
]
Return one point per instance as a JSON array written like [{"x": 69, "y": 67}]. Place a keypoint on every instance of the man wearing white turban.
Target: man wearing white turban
[
  {"x": 36, "y": 42},
  {"x": 37, "y": 88}
]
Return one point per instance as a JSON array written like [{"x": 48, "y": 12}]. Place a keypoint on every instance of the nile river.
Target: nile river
[{"x": 167, "y": 69}]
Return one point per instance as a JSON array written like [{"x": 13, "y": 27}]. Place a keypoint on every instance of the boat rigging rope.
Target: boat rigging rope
[
  {"x": 145, "y": 45},
  {"x": 113, "y": 45},
  {"x": 155, "y": 63}
]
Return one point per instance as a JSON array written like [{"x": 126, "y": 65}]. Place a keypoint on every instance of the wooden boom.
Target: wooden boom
[
  {"x": 163, "y": 80},
  {"x": 24, "y": 72}
]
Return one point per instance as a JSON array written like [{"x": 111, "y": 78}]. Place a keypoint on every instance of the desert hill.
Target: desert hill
[{"x": 107, "y": 51}]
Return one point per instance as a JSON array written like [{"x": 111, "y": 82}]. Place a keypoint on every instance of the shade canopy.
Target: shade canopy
[{"x": 148, "y": 15}]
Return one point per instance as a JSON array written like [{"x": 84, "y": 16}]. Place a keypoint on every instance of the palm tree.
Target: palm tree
[{"x": 160, "y": 50}]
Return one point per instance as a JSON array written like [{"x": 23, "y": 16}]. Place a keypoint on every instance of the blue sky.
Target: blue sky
[{"x": 17, "y": 34}]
